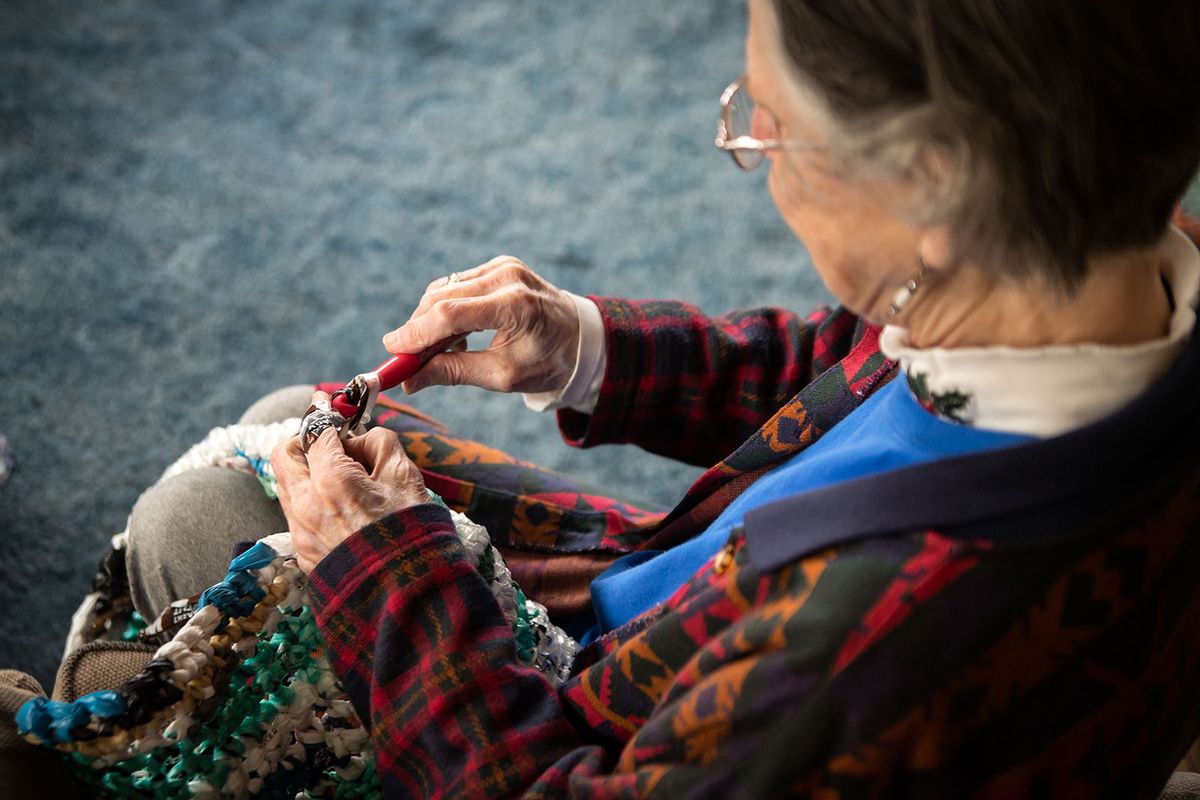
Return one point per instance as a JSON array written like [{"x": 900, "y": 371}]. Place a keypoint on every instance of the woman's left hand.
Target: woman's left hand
[{"x": 339, "y": 487}]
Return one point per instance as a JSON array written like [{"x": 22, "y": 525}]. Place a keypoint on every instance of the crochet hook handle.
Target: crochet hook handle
[
  {"x": 399, "y": 368},
  {"x": 396, "y": 370}
]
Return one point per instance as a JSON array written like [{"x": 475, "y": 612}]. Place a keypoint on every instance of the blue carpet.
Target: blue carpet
[{"x": 202, "y": 201}]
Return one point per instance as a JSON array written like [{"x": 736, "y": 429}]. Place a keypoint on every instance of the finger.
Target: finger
[
  {"x": 472, "y": 274},
  {"x": 288, "y": 461},
  {"x": 389, "y": 465},
  {"x": 482, "y": 368},
  {"x": 328, "y": 465},
  {"x": 489, "y": 265},
  {"x": 320, "y": 401},
  {"x": 283, "y": 493},
  {"x": 319, "y": 417},
  {"x": 308, "y": 546},
  {"x": 291, "y": 474},
  {"x": 327, "y": 448},
  {"x": 453, "y": 317},
  {"x": 338, "y": 482},
  {"x": 374, "y": 448},
  {"x": 476, "y": 282},
  {"x": 467, "y": 285}
]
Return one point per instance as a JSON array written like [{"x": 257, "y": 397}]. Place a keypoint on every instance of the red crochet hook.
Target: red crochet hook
[
  {"x": 391, "y": 373},
  {"x": 356, "y": 400}
]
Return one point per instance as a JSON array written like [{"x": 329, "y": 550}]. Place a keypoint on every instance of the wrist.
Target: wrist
[
  {"x": 372, "y": 554},
  {"x": 582, "y": 386},
  {"x": 385, "y": 533}
]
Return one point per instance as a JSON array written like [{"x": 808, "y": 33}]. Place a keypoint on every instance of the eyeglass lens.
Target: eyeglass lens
[{"x": 740, "y": 117}]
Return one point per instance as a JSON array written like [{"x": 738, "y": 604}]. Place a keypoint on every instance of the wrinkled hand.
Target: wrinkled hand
[
  {"x": 536, "y": 325},
  {"x": 339, "y": 487}
]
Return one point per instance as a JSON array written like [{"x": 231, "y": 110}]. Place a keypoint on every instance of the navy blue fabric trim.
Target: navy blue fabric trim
[{"x": 1036, "y": 489}]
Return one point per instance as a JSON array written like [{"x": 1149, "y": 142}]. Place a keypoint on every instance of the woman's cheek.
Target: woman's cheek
[
  {"x": 800, "y": 214},
  {"x": 783, "y": 194},
  {"x": 793, "y": 197}
]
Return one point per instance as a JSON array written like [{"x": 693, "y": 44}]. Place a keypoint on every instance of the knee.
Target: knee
[
  {"x": 182, "y": 531},
  {"x": 281, "y": 404},
  {"x": 173, "y": 507}
]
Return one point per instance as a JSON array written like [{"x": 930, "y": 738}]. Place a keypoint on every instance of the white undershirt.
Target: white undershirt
[
  {"x": 1040, "y": 391},
  {"x": 1046, "y": 391},
  {"x": 583, "y": 388}
]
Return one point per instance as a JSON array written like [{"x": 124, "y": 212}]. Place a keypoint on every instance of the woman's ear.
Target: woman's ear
[
  {"x": 935, "y": 174},
  {"x": 935, "y": 249}
]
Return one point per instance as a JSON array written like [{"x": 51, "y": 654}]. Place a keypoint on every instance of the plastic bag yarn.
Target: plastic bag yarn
[
  {"x": 245, "y": 448},
  {"x": 240, "y": 701}
]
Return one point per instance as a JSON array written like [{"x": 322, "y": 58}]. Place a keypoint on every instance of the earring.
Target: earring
[{"x": 904, "y": 294}]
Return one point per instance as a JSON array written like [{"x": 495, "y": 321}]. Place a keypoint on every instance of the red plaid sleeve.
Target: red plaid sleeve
[
  {"x": 692, "y": 708},
  {"x": 430, "y": 663},
  {"x": 692, "y": 387}
]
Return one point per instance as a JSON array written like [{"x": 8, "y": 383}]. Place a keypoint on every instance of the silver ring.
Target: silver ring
[
  {"x": 453, "y": 278},
  {"x": 315, "y": 421}
]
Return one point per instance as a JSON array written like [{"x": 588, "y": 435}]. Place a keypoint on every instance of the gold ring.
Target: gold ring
[{"x": 453, "y": 278}]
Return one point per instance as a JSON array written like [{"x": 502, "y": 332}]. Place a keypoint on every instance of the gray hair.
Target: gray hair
[{"x": 1042, "y": 133}]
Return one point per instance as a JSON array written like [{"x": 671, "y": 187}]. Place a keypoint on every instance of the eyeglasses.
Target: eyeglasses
[{"x": 736, "y": 123}]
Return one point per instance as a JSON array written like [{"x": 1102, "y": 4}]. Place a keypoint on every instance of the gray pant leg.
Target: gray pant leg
[
  {"x": 182, "y": 530},
  {"x": 281, "y": 404}
]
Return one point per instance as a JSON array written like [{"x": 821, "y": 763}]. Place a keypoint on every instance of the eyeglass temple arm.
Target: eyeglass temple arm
[{"x": 746, "y": 143}]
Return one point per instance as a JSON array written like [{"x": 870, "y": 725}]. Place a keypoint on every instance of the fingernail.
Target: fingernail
[{"x": 391, "y": 339}]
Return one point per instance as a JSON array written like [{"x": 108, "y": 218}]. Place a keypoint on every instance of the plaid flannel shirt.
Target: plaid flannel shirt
[{"x": 1011, "y": 624}]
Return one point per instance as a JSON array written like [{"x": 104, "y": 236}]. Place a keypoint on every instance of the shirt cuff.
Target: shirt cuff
[{"x": 583, "y": 388}]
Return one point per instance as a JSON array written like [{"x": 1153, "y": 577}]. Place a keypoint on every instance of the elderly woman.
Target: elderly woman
[
  {"x": 956, "y": 553},
  {"x": 950, "y": 542}
]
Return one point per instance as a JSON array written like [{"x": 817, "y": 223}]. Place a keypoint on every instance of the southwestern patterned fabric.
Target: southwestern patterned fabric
[{"x": 980, "y": 662}]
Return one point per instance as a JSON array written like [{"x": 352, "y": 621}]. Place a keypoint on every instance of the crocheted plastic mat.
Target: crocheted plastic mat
[{"x": 239, "y": 700}]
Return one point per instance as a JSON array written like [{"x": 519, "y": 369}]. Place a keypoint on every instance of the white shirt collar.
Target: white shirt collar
[{"x": 1046, "y": 391}]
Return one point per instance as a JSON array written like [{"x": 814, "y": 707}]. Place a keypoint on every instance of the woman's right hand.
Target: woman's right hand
[{"x": 536, "y": 325}]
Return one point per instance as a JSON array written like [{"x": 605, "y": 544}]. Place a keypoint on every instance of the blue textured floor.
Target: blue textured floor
[{"x": 200, "y": 201}]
